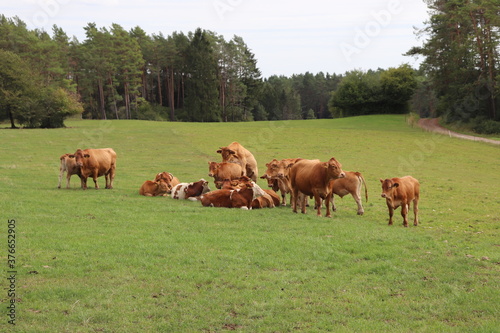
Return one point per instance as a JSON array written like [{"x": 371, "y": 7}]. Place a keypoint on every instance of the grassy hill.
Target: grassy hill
[{"x": 113, "y": 261}]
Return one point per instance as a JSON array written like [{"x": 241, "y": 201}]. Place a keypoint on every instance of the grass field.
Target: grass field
[{"x": 114, "y": 261}]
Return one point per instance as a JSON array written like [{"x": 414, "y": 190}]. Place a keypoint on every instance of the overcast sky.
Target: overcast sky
[{"x": 287, "y": 37}]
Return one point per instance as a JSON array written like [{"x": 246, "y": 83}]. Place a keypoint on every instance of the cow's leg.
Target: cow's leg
[
  {"x": 317, "y": 200},
  {"x": 111, "y": 176},
  {"x": 94, "y": 177},
  {"x": 294, "y": 200},
  {"x": 68, "y": 177},
  {"x": 328, "y": 199},
  {"x": 391, "y": 213},
  {"x": 404, "y": 213},
  {"x": 415, "y": 211},
  {"x": 357, "y": 198},
  {"x": 61, "y": 172},
  {"x": 332, "y": 201},
  {"x": 83, "y": 180}
]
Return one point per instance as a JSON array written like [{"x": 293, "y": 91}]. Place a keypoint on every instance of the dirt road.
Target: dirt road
[{"x": 432, "y": 125}]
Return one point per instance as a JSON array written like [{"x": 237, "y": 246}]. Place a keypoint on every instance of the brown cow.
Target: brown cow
[
  {"x": 312, "y": 177},
  {"x": 96, "y": 163},
  {"x": 236, "y": 153},
  {"x": 189, "y": 190},
  {"x": 223, "y": 171},
  {"x": 277, "y": 175},
  {"x": 350, "y": 184},
  {"x": 401, "y": 192},
  {"x": 69, "y": 166},
  {"x": 169, "y": 178},
  {"x": 153, "y": 189},
  {"x": 270, "y": 200},
  {"x": 239, "y": 198}
]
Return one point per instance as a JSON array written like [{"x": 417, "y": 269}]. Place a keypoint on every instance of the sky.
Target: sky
[{"x": 286, "y": 37}]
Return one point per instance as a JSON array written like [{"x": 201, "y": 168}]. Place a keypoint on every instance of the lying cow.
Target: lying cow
[
  {"x": 312, "y": 178},
  {"x": 270, "y": 200},
  {"x": 236, "y": 153},
  {"x": 350, "y": 184},
  {"x": 170, "y": 179},
  {"x": 96, "y": 163},
  {"x": 239, "y": 198},
  {"x": 69, "y": 166},
  {"x": 222, "y": 171},
  {"x": 189, "y": 190},
  {"x": 154, "y": 188},
  {"x": 401, "y": 192}
]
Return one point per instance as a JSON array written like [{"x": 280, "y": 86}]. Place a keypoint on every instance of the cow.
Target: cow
[
  {"x": 236, "y": 153},
  {"x": 277, "y": 175},
  {"x": 69, "y": 166},
  {"x": 401, "y": 192},
  {"x": 189, "y": 190},
  {"x": 222, "y": 171},
  {"x": 170, "y": 179},
  {"x": 239, "y": 198},
  {"x": 270, "y": 200},
  {"x": 311, "y": 178},
  {"x": 350, "y": 184},
  {"x": 96, "y": 163},
  {"x": 154, "y": 188}
]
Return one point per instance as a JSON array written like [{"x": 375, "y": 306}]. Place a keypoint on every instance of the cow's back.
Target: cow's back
[
  {"x": 102, "y": 159},
  {"x": 307, "y": 174},
  {"x": 408, "y": 188}
]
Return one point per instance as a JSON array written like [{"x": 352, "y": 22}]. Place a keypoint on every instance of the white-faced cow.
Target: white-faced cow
[
  {"x": 69, "y": 166},
  {"x": 311, "y": 178},
  {"x": 236, "y": 153},
  {"x": 154, "y": 189},
  {"x": 96, "y": 163},
  {"x": 189, "y": 190},
  {"x": 238, "y": 198},
  {"x": 401, "y": 192}
]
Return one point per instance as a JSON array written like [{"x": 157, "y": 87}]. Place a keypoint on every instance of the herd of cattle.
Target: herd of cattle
[{"x": 235, "y": 179}]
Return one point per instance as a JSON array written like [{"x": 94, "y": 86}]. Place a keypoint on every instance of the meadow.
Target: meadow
[{"x": 114, "y": 261}]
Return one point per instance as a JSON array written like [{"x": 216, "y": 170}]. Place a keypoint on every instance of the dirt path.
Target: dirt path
[{"x": 432, "y": 125}]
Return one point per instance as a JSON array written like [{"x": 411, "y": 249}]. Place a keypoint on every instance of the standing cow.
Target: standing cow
[
  {"x": 96, "y": 163},
  {"x": 350, "y": 184},
  {"x": 236, "y": 153},
  {"x": 312, "y": 178},
  {"x": 69, "y": 166},
  {"x": 401, "y": 192}
]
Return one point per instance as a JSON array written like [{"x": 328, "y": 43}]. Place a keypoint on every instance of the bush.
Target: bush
[{"x": 485, "y": 126}]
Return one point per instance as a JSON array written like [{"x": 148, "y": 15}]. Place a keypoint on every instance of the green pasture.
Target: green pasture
[{"x": 114, "y": 261}]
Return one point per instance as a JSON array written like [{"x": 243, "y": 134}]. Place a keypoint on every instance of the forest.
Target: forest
[{"x": 199, "y": 76}]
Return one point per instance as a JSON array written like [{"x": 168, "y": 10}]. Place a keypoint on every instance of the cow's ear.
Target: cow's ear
[
  {"x": 381, "y": 180},
  {"x": 219, "y": 151},
  {"x": 232, "y": 152},
  {"x": 71, "y": 156},
  {"x": 86, "y": 155},
  {"x": 395, "y": 185},
  {"x": 325, "y": 165}
]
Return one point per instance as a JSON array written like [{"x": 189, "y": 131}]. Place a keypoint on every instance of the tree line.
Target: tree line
[{"x": 200, "y": 76}]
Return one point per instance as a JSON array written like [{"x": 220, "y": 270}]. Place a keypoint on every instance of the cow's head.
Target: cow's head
[
  {"x": 388, "y": 187},
  {"x": 162, "y": 187},
  {"x": 212, "y": 168},
  {"x": 79, "y": 157},
  {"x": 166, "y": 176},
  {"x": 334, "y": 168},
  {"x": 228, "y": 155},
  {"x": 274, "y": 169}
]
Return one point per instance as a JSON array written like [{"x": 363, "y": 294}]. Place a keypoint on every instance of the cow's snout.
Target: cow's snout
[
  {"x": 280, "y": 175},
  {"x": 342, "y": 174},
  {"x": 79, "y": 164},
  {"x": 383, "y": 195}
]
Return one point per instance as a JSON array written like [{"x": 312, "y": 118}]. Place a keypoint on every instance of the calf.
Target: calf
[
  {"x": 170, "y": 179},
  {"x": 69, "y": 166},
  {"x": 154, "y": 189},
  {"x": 350, "y": 184},
  {"x": 224, "y": 170},
  {"x": 189, "y": 190},
  {"x": 401, "y": 192},
  {"x": 312, "y": 177}
]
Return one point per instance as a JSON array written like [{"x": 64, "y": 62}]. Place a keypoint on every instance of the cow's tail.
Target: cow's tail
[{"x": 364, "y": 183}]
